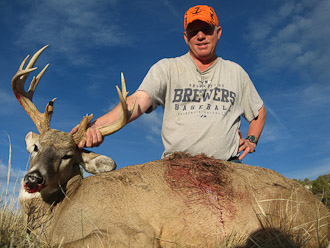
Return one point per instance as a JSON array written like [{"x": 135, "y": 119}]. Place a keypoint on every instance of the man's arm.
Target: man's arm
[
  {"x": 94, "y": 136},
  {"x": 255, "y": 128}
]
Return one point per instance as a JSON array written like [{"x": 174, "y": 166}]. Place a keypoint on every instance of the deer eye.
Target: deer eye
[
  {"x": 68, "y": 156},
  {"x": 35, "y": 149}
]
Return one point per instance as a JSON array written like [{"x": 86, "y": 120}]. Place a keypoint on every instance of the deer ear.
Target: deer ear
[
  {"x": 95, "y": 163},
  {"x": 30, "y": 140}
]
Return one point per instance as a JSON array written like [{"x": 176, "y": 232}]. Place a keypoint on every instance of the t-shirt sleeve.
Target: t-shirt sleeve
[
  {"x": 155, "y": 83},
  {"x": 251, "y": 100}
]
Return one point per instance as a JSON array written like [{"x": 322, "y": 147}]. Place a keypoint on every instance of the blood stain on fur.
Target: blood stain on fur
[{"x": 201, "y": 180}]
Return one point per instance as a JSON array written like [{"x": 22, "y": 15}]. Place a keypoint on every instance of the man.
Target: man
[{"x": 203, "y": 97}]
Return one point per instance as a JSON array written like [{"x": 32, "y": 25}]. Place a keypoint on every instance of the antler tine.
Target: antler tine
[
  {"x": 35, "y": 57},
  {"x": 122, "y": 120},
  {"x": 125, "y": 113},
  {"x": 41, "y": 120},
  {"x": 25, "y": 73},
  {"x": 82, "y": 130}
]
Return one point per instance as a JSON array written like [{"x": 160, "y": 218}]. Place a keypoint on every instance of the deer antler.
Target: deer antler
[
  {"x": 41, "y": 120},
  {"x": 122, "y": 120}
]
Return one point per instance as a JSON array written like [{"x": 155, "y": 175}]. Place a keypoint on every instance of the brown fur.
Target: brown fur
[{"x": 182, "y": 201}]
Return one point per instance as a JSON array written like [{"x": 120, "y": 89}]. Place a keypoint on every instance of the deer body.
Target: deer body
[
  {"x": 181, "y": 201},
  {"x": 184, "y": 201}
]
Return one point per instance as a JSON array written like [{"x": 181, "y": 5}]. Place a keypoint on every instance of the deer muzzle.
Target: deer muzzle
[{"x": 33, "y": 182}]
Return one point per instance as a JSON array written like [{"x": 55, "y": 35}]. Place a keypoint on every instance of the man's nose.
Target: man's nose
[{"x": 200, "y": 35}]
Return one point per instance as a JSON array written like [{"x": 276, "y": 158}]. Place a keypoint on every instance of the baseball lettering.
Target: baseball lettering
[{"x": 203, "y": 95}]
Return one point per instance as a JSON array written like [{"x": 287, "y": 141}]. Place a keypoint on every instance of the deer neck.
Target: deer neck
[
  {"x": 38, "y": 208},
  {"x": 64, "y": 190}
]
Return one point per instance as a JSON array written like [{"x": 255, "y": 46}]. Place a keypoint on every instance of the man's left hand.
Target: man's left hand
[{"x": 245, "y": 145}]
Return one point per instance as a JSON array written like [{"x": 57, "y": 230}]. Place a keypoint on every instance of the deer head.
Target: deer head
[{"x": 55, "y": 157}]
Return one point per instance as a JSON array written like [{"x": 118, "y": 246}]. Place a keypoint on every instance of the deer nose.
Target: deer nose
[{"x": 33, "y": 179}]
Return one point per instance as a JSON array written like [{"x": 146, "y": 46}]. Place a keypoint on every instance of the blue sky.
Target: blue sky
[{"x": 282, "y": 44}]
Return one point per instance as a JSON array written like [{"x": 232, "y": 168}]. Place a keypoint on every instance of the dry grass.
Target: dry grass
[
  {"x": 12, "y": 231},
  {"x": 280, "y": 230},
  {"x": 285, "y": 235}
]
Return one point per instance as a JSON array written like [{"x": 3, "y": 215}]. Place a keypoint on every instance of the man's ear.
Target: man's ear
[
  {"x": 185, "y": 37},
  {"x": 219, "y": 30},
  {"x": 95, "y": 163}
]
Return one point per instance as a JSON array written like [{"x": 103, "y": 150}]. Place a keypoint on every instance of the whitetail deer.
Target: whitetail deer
[
  {"x": 55, "y": 146},
  {"x": 180, "y": 201}
]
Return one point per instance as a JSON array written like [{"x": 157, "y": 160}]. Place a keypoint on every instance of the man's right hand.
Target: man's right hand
[{"x": 93, "y": 137}]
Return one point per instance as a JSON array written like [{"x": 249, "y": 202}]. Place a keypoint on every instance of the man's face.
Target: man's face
[{"x": 202, "y": 40}]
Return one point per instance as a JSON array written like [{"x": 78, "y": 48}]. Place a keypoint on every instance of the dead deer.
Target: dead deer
[
  {"x": 57, "y": 147},
  {"x": 180, "y": 201},
  {"x": 55, "y": 157}
]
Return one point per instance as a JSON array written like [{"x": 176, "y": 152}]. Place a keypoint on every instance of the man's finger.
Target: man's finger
[
  {"x": 99, "y": 137},
  {"x": 242, "y": 148},
  {"x": 75, "y": 129},
  {"x": 241, "y": 142},
  {"x": 89, "y": 139},
  {"x": 82, "y": 143},
  {"x": 243, "y": 155},
  {"x": 240, "y": 133}
]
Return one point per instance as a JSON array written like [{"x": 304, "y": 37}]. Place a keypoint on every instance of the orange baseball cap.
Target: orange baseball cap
[{"x": 200, "y": 12}]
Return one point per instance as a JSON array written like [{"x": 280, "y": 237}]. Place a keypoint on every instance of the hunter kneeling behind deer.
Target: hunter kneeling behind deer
[{"x": 203, "y": 97}]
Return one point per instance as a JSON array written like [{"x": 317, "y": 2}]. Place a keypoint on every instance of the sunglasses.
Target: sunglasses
[{"x": 206, "y": 31}]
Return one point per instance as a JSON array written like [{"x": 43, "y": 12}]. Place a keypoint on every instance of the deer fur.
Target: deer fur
[{"x": 181, "y": 201}]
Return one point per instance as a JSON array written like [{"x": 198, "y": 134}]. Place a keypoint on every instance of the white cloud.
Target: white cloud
[
  {"x": 9, "y": 177},
  {"x": 317, "y": 95},
  {"x": 110, "y": 106},
  {"x": 152, "y": 139},
  {"x": 153, "y": 122},
  {"x": 277, "y": 126},
  {"x": 71, "y": 26},
  {"x": 6, "y": 102},
  {"x": 10, "y": 187},
  {"x": 293, "y": 37},
  {"x": 312, "y": 172},
  {"x": 173, "y": 10},
  {"x": 152, "y": 125}
]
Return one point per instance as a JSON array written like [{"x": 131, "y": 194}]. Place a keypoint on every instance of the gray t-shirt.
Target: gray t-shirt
[{"x": 201, "y": 109}]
